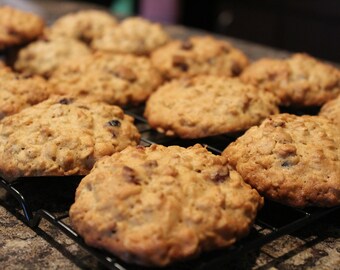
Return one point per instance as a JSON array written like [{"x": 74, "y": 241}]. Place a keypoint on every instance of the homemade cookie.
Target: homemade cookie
[
  {"x": 2, "y": 64},
  {"x": 133, "y": 35},
  {"x": 157, "y": 205},
  {"x": 207, "y": 105},
  {"x": 62, "y": 136},
  {"x": 300, "y": 80},
  {"x": 84, "y": 25},
  {"x": 291, "y": 159},
  {"x": 331, "y": 110},
  {"x": 18, "y": 27},
  {"x": 199, "y": 55},
  {"x": 115, "y": 79},
  {"x": 44, "y": 56},
  {"x": 18, "y": 92}
]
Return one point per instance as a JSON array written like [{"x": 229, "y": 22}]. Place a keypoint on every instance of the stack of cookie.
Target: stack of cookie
[
  {"x": 204, "y": 105},
  {"x": 293, "y": 159},
  {"x": 285, "y": 158},
  {"x": 55, "y": 133},
  {"x": 150, "y": 205},
  {"x": 79, "y": 34}
]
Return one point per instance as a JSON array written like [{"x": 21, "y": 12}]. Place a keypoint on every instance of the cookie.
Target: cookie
[
  {"x": 157, "y": 205},
  {"x": 18, "y": 27},
  {"x": 206, "y": 106},
  {"x": 291, "y": 159},
  {"x": 299, "y": 80},
  {"x": 199, "y": 55},
  {"x": 2, "y": 64},
  {"x": 84, "y": 25},
  {"x": 134, "y": 36},
  {"x": 18, "y": 92},
  {"x": 331, "y": 110},
  {"x": 115, "y": 79},
  {"x": 44, "y": 56},
  {"x": 62, "y": 136}
]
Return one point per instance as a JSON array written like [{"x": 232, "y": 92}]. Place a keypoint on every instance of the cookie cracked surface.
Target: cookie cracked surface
[
  {"x": 158, "y": 204},
  {"x": 299, "y": 80},
  {"x": 18, "y": 92},
  {"x": 18, "y": 27},
  {"x": 115, "y": 79},
  {"x": 199, "y": 55},
  {"x": 62, "y": 136},
  {"x": 132, "y": 36},
  {"x": 44, "y": 56},
  {"x": 291, "y": 159},
  {"x": 84, "y": 25},
  {"x": 331, "y": 110},
  {"x": 206, "y": 106}
]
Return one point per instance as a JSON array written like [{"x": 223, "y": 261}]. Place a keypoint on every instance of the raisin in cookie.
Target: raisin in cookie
[
  {"x": 207, "y": 105},
  {"x": 331, "y": 110},
  {"x": 84, "y": 25},
  {"x": 199, "y": 55},
  {"x": 156, "y": 205},
  {"x": 115, "y": 79},
  {"x": 18, "y": 27},
  {"x": 291, "y": 159},
  {"x": 134, "y": 36},
  {"x": 18, "y": 92},
  {"x": 44, "y": 56},
  {"x": 62, "y": 136},
  {"x": 300, "y": 80}
]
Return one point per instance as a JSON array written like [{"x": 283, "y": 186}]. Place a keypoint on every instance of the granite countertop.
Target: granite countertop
[{"x": 316, "y": 246}]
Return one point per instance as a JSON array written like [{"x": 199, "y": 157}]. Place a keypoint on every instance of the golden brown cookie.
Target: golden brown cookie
[
  {"x": 18, "y": 27},
  {"x": 18, "y": 92},
  {"x": 206, "y": 106},
  {"x": 44, "y": 56},
  {"x": 62, "y": 136},
  {"x": 331, "y": 110},
  {"x": 199, "y": 55},
  {"x": 157, "y": 205},
  {"x": 84, "y": 25},
  {"x": 2, "y": 64},
  {"x": 133, "y": 36},
  {"x": 291, "y": 159},
  {"x": 115, "y": 79},
  {"x": 300, "y": 80}
]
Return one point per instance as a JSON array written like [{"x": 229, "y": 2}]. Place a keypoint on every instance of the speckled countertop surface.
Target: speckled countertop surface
[{"x": 316, "y": 246}]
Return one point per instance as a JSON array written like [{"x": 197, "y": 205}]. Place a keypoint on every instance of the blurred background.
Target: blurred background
[{"x": 311, "y": 26}]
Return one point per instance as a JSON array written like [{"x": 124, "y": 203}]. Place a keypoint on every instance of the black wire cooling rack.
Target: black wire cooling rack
[{"x": 273, "y": 221}]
